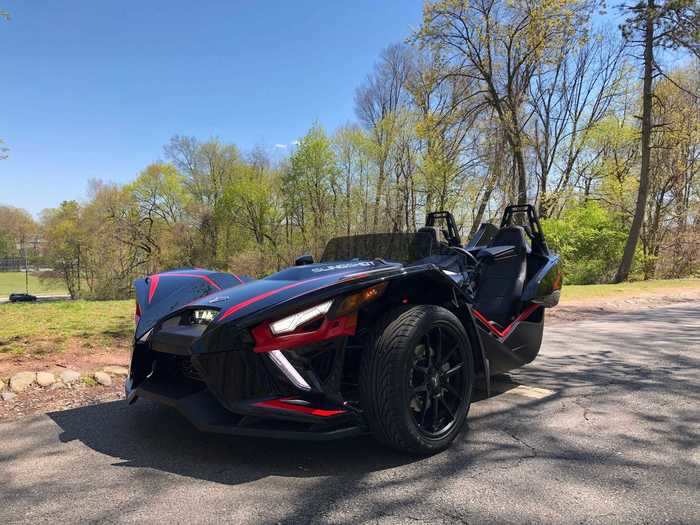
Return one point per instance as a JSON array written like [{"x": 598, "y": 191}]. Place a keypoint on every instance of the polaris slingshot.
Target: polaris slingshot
[{"x": 388, "y": 333}]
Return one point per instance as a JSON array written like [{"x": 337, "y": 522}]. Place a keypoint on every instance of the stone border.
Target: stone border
[{"x": 21, "y": 381}]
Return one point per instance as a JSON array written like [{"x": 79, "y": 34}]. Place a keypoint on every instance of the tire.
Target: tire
[{"x": 404, "y": 388}]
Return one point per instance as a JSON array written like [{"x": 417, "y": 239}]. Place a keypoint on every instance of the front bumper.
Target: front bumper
[{"x": 236, "y": 390}]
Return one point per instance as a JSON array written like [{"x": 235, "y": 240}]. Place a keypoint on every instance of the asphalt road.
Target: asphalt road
[{"x": 605, "y": 429}]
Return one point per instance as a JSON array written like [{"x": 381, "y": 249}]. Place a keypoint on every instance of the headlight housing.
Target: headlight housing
[{"x": 290, "y": 323}]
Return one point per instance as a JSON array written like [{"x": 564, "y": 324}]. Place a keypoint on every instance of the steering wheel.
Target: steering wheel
[{"x": 461, "y": 250}]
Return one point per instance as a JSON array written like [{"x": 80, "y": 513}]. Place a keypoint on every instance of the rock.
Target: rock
[
  {"x": 116, "y": 370},
  {"x": 21, "y": 381},
  {"x": 8, "y": 396},
  {"x": 45, "y": 379},
  {"x": 70, "y": 376},
  {"x": 2, "y": 385},
  {"x": 103, "y": 378},
  {"x": 57, "y": 385}
]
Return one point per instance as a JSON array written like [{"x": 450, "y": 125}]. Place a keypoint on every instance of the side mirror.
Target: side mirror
[{"x": 304, "y": 259}]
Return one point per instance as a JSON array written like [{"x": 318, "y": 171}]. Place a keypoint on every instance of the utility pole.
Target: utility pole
[{"x": 26, "y": 267}]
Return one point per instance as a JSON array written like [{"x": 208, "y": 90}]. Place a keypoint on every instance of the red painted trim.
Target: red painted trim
[
  {"x": 265, "y": 341},
  {"x": 153, "y": 284},
  {"x": 237, "y": 278},
  {"x": 265, "y": 295},
  {"x": 154, "y": 279},
  {"x": 508, "y": 329},
  {"x": 280, "y": 404}
]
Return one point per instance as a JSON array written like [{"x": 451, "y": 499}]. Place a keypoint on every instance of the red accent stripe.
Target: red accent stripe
[
  {"x": 152, "y": 286},
  {"x": 265, "y": 295},
  {"x": 237, "y": 278},
  {"x": 504, "y": 333},
  {"x": 280, "y": 404}
]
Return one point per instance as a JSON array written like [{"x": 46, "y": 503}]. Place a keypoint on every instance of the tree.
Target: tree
[
  {"x": 377, "y": 104},
  {"x": 654, "y": 24},
  {"x": 674, "y": 168},
  {"x": 18, "y": 228},
  {"x": 310, "y": 187},
  {"x": 446, "y": 109},
  {"x": 501, "y": 44},
  {"x": 352, "y": 150},
  {"x": 251, "y": 204},
  {"x": 64, "y": 243},
  {"x": 568, "y": 98},
  {"x": 207, "y": 168}
]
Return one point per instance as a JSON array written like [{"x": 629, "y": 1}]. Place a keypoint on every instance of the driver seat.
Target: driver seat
[{"x": 502, "y": 278}]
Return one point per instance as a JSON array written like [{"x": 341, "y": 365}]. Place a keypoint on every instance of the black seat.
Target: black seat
[{"x": 502, "y": 278}]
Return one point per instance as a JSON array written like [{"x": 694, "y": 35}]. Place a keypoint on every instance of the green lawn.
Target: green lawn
[
  {"x": 53, "y": 326},
  {"x": 14, "y": 282},
  {"x": 625, "y": 290}
]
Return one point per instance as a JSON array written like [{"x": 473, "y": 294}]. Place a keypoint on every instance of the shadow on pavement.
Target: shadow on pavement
[{"x": 148, "y": 435}]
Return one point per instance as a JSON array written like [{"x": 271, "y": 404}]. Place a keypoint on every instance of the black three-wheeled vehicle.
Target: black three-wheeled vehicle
[{"x": 388, "y": 333}]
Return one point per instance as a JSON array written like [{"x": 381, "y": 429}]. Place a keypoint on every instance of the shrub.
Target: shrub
[{"x": 590, "y": 242}]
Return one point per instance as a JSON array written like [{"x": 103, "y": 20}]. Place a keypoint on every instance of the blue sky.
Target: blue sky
[{"x": 94, "y": 89}]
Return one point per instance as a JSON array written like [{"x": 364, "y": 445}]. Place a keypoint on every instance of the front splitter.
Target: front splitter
[{"x": 207, "y": 415}]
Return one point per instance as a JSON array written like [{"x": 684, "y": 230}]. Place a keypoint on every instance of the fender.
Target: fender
[{"x": 432, "y": 286}]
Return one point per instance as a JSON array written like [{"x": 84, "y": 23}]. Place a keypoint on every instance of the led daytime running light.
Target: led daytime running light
[{"x": 294, "y": 321}]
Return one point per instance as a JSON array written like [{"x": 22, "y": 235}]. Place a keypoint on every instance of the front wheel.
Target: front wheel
[{"x": 416, "y": 379}]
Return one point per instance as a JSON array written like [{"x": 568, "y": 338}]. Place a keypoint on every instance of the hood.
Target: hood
[
  {"x": 286, "y": 285},
  {"x": 162, "y": 294}
]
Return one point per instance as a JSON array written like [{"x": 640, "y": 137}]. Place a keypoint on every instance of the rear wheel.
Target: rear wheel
[{"x": 416, "y": 379}]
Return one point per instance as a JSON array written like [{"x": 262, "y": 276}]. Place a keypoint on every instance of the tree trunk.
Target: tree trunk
[
  {"x": 378, "y": 196},
  {"x": 491, "y": 179},
  {"x": 631, "y": 245},
  {"x": 522, "y": 175}
]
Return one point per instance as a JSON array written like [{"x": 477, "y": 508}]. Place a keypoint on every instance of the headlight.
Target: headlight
[
  {"x": 294, "y": 321},
  {"x": 203, "y": 316}
]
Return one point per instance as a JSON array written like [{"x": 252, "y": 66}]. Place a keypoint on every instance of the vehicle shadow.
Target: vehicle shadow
[{"x": 152, "y": 436}]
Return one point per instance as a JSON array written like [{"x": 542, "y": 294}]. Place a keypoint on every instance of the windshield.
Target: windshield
[{"x": 405, "y": 248}]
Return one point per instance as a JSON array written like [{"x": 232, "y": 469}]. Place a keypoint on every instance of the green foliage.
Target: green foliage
[
  {"x": 7, "y": 245},
  {"x": 62, "y": 229},
  {"x": 590, "y": 242}
]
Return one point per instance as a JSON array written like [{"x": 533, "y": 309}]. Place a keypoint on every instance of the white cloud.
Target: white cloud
[
  {"x": 294, "y": 143},
  {"x": 280, "y": 146}
]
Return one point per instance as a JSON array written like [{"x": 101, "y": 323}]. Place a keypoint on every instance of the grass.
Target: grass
[
  {"x": 54, "y": 326},
  {"x": 14, "y": 282},
  {"x": 578, "y": 292}
]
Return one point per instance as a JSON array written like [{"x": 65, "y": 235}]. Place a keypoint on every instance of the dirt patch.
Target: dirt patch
[
  {"x": 75, "y": 357},
  {"x": 40, "y": 400}
]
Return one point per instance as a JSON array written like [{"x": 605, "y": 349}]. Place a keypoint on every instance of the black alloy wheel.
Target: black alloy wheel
[{"x": 437, "y": 380}]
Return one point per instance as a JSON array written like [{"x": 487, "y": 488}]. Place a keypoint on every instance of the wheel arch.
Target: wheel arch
[{"x": 432, "y": 286}]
